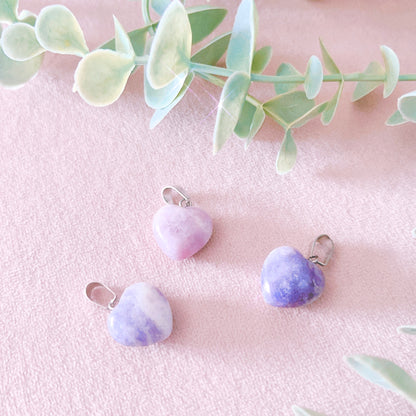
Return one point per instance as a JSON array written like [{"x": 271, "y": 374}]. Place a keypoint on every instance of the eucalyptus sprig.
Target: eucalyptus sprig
[
  {"x": 379, "y": 371},
  {"x": 163, "y": 48}
]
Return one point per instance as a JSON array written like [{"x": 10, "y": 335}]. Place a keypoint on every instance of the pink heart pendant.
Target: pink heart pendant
[{"x": 181, "y": 231}]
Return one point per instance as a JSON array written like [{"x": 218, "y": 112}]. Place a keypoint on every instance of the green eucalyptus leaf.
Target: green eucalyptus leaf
[
  {"x": 204, "y": 20},
  {"x": 314, "y": 77},
  {"x": 392, "y": 64},
  {"x": 101, "y": 76},
  {"x": 243, "y": 38},
  {"x": 159, "y": 6},
  {"x": 211, "y": 53},
  {"x": 256, "y": 123},
  {"x": 332, "y": 68},
  {"x": 171, "y": 47},
  {"x": 14, "y": 74},
  {"x": 58, "y": 31},
  {"x": 312, "y": 113},
  {"x": 384, "y": 373},
  {"x": 286, "y": 157},
  {"x": 329, "y": 112},
  {"x": 286, "y": 69},
  {"x": 396, "y": 119},
  {"x": 28, "y": 17},
  {"x": 8, "y": 11},
  {"x": 242, "y": 129},
  {"x": 364, "y": 88},
  {"x": 161, "y": 113},
  {"x": 162, "y": 97},
  {"x": 137, "y": 39},
  {"x": 288, "y": 108},
  {"x": 210, "y": 17},
  {"x": 231, "y": 103},
  {"x": 407, "y": 106},
  {"x": 19, "y": 42},
  {"x": 328, "y": 61},
  {"x": 122, "y": 40},
  {"x": 407, "y": 329},
  {"x": 249, "y": 122},
  {"x": 261, "y": 59},
  {"x": 303, "y": 411}
]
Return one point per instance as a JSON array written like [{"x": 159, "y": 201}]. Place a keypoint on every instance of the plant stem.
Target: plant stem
[
  {"x": 220, "y": 83},
  {"x": 146, "y": 15},
  {"x": 296, "y": 79}
]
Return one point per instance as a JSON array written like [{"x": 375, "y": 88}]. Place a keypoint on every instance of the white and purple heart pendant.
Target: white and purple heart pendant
[
  {"x": 181, "y": 230},
  {"x": 142, "y": 317},
  {"x": 289, "y": 280}
]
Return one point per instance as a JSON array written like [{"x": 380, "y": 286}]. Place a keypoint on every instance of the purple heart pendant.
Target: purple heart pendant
[{"x": 289, "y": 280}]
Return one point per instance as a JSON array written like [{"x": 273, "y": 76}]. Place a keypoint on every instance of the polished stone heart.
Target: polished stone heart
[
  {"x": 289, "y": 280},
  {"x": 142, "y": 316},
  {"x": 181, "y": 232}
]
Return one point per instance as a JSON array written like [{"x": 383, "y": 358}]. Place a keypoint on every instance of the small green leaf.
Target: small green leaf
[
  {"x": 231, "y": 103},
  {"x": 407, "y": 329},
  {"x": 364, "y": 88},
  {"x": 328, "y": 61},
  {"x": 211, "y": 53},
  {"x": 256, "y": 123},
  {"x": 14, "y": 74},
  {"x": 384, "y": 373},
  {"x": 162, "y": 97},
  {"x": 122, "y": 40},
  {"x": 396, "y": 119},
  {"x": 261, "y": 59},
  {"x": 19, "y": 42},
  {"x": 8, "y": 11},
  {"x": 171, "y": 47},
  {"x": 311, "y": 114},
  {"x": 137, "y": 39},
  {"x": 58, "y": 31},
  {"x": 286, "y": 157},
  {"x": 243, "y": 38},
  {"x": 288, "y": 108},
  {"x": 249, "y": 122},
  {"x": 303, "y": 411},
  {"x": 204, "y": 20},
  {"x": 313, "y": 77},
  {"x": 407, "y": 106},
  {"x": 28, "y": 17},
  {"x": 161, "y": 113},
  {"x": 392, "y": 64},
  {"x": 332, "y": 68},
  {"x": 101, "y": 76},
  {"x": 286, "y": 69},
  {"x": 329, "y": 112}
]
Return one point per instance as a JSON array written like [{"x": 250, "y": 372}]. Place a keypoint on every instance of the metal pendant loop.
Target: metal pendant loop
[
  {"x": 314, "y": 258},
  {"x": 102, "y": 300},
  {"x": 184, "y": 202}
]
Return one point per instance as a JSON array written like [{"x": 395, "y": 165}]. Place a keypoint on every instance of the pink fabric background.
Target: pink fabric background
[{"x": 79, "y": 187}]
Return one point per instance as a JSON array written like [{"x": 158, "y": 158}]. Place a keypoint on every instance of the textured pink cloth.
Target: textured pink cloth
[{"x": 80, "y": 185}]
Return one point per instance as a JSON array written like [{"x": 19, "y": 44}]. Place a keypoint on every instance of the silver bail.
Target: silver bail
[
  {"x": 184, "y": 202},
  {"x": 314, "y": 258},
  {"x": 106, "y": 293}
]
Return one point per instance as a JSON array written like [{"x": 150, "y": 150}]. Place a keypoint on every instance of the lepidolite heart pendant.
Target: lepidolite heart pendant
[
  {"x": 288, "y": 279},
  {"x": 181, "y": 230},
  {"x": 142, "y": 316}
]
